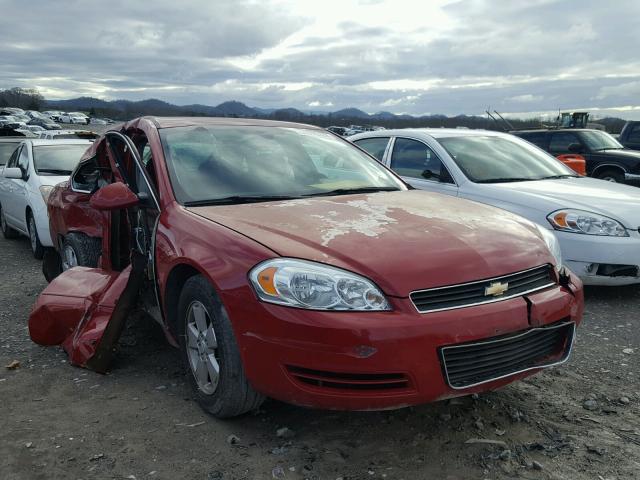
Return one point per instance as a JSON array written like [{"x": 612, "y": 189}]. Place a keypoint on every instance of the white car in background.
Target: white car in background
[
  {"x": 25, "y": 183},
  {"x": 73, "y": 117},
  {"x": 596, "y": 222}
]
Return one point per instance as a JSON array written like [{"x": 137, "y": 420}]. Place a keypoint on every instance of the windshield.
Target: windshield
[
  {"x": 57, "y": 159},
  {"x": 596, "y": 140},
  {"x": 209, "y": 164},
  {"x": 493, "y": 159},
  {"x": 6, "y": 149}
]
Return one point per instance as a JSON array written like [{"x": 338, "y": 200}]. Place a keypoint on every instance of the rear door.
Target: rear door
[{"x": 420, "y": 166}]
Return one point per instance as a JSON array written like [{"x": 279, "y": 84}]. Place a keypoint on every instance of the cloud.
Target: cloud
[
  {"x": 440, "y": 56},
  {"x": 525, "y": 98}
]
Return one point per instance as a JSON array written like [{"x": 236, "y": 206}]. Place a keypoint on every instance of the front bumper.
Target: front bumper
[
  {"x": 601, "y": 260},
  {"x": 383, "y": 360}
]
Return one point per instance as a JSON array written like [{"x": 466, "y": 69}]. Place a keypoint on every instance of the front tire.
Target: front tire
[
  {"x": 7, "y": 231},
  {"x": 611, "y": 175},
  {"x": 210, "y": 353},
  {"x": 36, "y": 246},
  {"x": 80, "y": 250}
]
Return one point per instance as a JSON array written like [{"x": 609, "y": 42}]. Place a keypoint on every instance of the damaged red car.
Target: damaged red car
[{"x": 285, "y": 262}]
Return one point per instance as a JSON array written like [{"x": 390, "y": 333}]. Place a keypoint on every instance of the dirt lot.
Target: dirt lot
[{"x": 580, "y": 421}]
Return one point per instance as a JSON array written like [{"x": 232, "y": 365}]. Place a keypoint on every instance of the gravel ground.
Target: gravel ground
[{"x": 579, "y": 421}]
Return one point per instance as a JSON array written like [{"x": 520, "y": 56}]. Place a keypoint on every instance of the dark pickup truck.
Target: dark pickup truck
[
  {"x": 605, "y": 157},
  {"x": 630, "y": 135}
]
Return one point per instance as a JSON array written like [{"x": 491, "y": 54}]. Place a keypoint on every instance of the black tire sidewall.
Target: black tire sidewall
[
  {"x": 38, "y": 252},
  {"x": 87, "y": 249},
  {"x": 229, "y": 398},
  {"x": 7, "y": 231},
  {"x": 619, "y": 177}
]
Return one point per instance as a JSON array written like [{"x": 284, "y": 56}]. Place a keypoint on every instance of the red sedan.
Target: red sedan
[{"x": 286, "y": 262}]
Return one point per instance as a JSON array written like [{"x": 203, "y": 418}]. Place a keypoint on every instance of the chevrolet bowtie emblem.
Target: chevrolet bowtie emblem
[{"x": 496, "y": 289}]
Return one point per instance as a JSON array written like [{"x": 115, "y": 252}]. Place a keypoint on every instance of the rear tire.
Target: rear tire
[
  {"x": 80, "y": 250},
  {"x": 210, "y": 353},
  {"x": 7, "y": 231},
  {"x": 51, "y": 264},
  {"x": 36, "y": 246},
  {"x": 611, "y": 175}
]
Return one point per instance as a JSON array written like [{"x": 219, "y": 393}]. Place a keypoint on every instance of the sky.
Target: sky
[{"x": 523, "y": 58}]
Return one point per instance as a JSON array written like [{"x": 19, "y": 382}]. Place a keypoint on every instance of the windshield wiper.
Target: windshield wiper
[
  {"x": 505, "y": 180},
  {"x": 234, "y": 199},
  {"x": 566, "y": 175},
  {"x": 349, "y": 191},
  {"x": 55, "y": 171}
]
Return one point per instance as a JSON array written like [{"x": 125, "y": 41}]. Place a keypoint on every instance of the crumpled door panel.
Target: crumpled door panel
[{"x": 75, "y": 309}]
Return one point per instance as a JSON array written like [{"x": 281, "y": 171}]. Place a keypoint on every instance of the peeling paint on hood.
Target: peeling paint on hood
[{"x": 403, "y": 240}]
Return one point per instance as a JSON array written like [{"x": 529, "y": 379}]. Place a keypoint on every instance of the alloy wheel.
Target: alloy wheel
[
  {"x": 202, "y": 348},
  {"x": 69, "y": 258}
]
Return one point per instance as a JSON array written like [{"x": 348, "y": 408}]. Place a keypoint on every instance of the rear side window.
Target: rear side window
[
  {"x": 86, "y": 177},
  {"x": 539, "y": 139},
  {"x": 374, "y": 146},
  {"x": 560, "y": 141}
]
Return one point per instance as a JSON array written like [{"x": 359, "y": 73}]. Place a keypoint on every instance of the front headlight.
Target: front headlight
[
  {"x": 315, "y": 286},
  {"x": 588, "y": 223},
  {"x": 45, "y": 191},
  {"x": 552, "y": 244}
]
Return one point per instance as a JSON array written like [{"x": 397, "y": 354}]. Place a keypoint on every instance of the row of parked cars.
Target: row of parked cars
[
  {"x": 33, "y": 121},
  {"x": 394, "y": 268}
]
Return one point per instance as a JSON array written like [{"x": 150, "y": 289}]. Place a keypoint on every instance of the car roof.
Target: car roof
[
  {"x": 171, "y": 122},
  {"x": 37, "y": 142},
  {"x": 537, "y": 130},
  {"x": 432, "y": 132}
]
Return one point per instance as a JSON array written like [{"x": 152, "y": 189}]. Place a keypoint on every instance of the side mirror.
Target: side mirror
[
  {"x": 575, "y": 148},
  {"x": 13, "y": 172},
  {"x": 428, "y": 174},
  {"x": 114, "y": 196}
]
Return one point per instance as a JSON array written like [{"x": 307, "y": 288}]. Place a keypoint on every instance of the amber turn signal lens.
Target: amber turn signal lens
[
  {"x": 561, "y": 219},
  {"x": 267, "y": 282}
]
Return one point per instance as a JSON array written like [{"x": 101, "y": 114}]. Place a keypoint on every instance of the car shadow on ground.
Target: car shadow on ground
[{"x": 596, "y": 292}]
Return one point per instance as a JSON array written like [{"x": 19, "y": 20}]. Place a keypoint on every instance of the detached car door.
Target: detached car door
[
  {"x": 420, "y": 167},
  {"x": 85, "y": 309}
]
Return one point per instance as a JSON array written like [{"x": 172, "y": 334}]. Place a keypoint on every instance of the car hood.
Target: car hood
[
  {"x": 607, "y": 198},
  {"x": 403, "y": 241},
  {"x": 52, "y": 180},
  {"x": 620, "y": 153}
]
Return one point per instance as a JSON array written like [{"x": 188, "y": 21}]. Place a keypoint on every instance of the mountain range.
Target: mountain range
[
  {"x": 226, "y": 109},
  {"x": 127, "y": 109}
]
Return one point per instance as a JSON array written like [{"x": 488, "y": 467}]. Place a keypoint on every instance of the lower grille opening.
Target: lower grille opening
[
  {"x": 608, "y": 270},
  {"x": 471, "y": 364},
  {"x": 349, "y": 381}
]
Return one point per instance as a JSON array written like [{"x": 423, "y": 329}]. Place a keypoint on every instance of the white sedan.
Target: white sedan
[
  {"x": 596, "y": 222},
  {"x": 73, "y": 117},
  {"x": 25, "y": 183}
]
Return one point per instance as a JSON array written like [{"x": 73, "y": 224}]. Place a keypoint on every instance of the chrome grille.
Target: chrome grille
[{"x": 483, "y": 291}]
